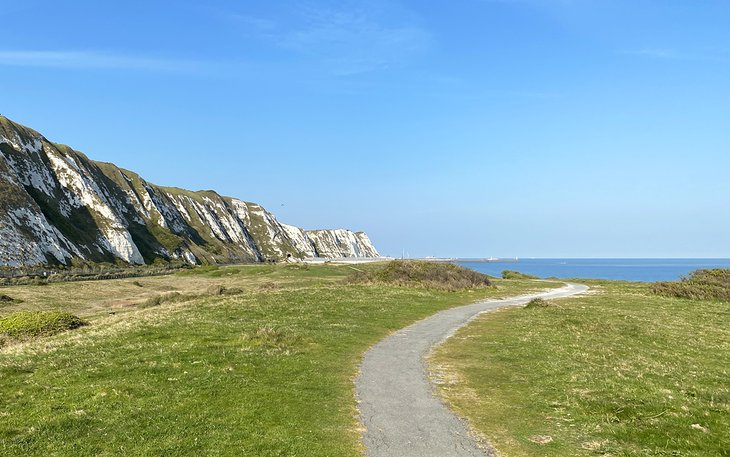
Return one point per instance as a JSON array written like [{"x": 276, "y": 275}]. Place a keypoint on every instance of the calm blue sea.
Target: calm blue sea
[{"x": 645, "y": 270}]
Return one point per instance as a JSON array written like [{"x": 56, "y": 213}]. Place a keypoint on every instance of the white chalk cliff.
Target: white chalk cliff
[{"x": 57, "y": 206}]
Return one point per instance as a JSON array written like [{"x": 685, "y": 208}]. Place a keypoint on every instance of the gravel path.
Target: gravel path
[{"x": 401, "y": 415}]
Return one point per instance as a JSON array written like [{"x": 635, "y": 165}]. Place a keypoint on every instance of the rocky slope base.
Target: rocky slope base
[{"x": 59, "y": 207}]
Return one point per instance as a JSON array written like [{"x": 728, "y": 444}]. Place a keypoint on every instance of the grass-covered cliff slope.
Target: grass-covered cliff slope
[{"x": 57, "y": 206}]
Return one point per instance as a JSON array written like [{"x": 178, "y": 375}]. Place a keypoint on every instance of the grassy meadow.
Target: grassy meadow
[
  {"x": 622, "y": 371},
  {"x": 240, "y": 361}
]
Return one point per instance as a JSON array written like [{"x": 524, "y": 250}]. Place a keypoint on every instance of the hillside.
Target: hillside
[{"x": 59, "y": 207}]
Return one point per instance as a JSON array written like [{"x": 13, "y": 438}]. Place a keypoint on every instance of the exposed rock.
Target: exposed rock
[
  {"x": 341, "y": 243},
  {"x": 56, "y": 205}
]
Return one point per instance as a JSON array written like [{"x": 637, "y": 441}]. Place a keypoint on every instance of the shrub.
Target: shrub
[
  {"x": 511, "y": 274},
  {"x": 268, "y": 286},
  {"x": 158, "y": 300},
  {"x": 698, "y": 285},
  {"x": 538, "y": 303},
  {"x": 200, "y": 270},
  {"x": 6, "y": 299},
  {"x": 221, "y": 290},
  {"x": 30, "y": 324},
  {"x": 216, "y": 289},
  {"x": 432, "y": 275}
]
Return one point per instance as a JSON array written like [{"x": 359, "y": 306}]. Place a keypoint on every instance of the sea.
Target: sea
[{"x": 639, "y": 270}]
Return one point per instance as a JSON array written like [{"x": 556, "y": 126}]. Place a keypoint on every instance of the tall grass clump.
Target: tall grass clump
[
  {"x": 218, "y": 289},
  {"x": 158, "y": 300},
  {"x": 430, "y": 275},
  {"x": 273, "y": 341},
  {"x": 32, "y": 324},
  {"x": 698, "y": 285},
  {"x": 511, "y": 274},
  {"x": 538, "y": 303}
]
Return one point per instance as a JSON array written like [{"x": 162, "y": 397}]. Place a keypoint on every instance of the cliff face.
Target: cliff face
[
  {"x": 330, "y": 243},
  {"x": 56, "y": 205}
]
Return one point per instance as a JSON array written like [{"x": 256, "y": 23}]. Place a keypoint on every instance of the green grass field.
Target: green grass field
[
  {"x": 265, "y": 371},
  {"x": 619, "y": 372}
]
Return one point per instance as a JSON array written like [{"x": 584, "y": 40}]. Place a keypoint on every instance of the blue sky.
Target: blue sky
[{"x": 467, "y": 128}]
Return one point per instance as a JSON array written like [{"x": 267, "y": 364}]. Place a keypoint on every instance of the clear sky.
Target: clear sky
[{"x": 461, "y": 128}]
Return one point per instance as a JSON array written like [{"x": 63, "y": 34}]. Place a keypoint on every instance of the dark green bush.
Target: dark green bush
[
  {"x": 30, "y": 324},
  {"x": 698, "y": 285},
  {"x": 431, "y": 275},
  {"x": 511, "y": 274}
]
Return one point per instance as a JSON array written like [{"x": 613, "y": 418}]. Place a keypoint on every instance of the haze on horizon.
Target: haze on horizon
[{"x": 530, "y": 128}]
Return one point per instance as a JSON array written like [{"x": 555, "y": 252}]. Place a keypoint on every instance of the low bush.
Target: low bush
[
  {"x": 511, "y": 274},
  {"x": 269, "y": 286},
  {"x": 44, "y": 275},
  {"x": 30, "y": 324},
  {"x": 218, "y": 289},
  {"x": 6, "y": 299},
  {"x": 200, "y": 270},
  {"x": 698, "y": 285},
  {"x": 538, "y": 303},
  {"x": 175, "y": 297},
  {"x": 431, "y": 275},
  {"x": 158, "y": 300}
]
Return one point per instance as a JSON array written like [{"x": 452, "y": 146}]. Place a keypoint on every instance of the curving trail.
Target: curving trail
[{"x": 401, "y": 415}]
